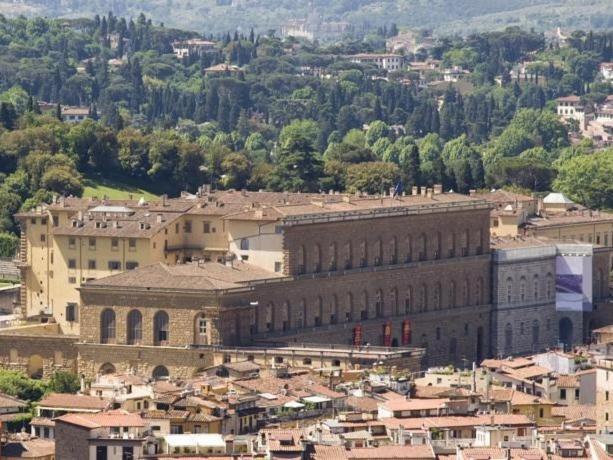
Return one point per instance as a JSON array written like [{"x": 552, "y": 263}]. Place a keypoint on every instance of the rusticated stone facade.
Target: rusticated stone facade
[
  {"x": 37, "y": 351},
  {"x": 142, "y": 360}
]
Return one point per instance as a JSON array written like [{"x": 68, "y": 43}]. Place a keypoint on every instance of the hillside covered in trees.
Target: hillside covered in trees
[
  {"x": 444, "y": 16},
  {"x": 288, "y": 115}
]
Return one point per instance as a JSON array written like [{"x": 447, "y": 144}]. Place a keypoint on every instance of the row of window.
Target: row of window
[
  {"x": 374, "y": 253},
  {"x": 426, "y": 298},
  {"x": 535, "y": 331},
  {"x": 72, "y": 243},
  {"x": 522, "y": 291},
  {"x": 111, "y": 264},
  {"x": 187, "y": 227},
  {"x": 134, "y": 328}
]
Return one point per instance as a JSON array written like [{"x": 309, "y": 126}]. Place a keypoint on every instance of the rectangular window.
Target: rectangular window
[
  {"x": 43, "y": 221},
  {"x": 131, "y": 265},
  {"x": 91, "y": 264},
  {"x": 114, "y": 244},
  {"x": 92, "y": 244},
  {"x": 206, "y": 227},
  {"x": 563, "y": 393},
  {"x": 71, "y": 312},
  {"x": 277, "y": 267},
  {"x": 177, "y": 228},
  {"x": 132, "y": 244},
  {"x": 72, "y": 263},
  {"x": 33, "y": 220},
  {"x": 188, "y": 226},
  {"x": 56, "y": 221},
  {"x": 72, "y": 280},
  {"x": 202, "y": 326},
  {"x": 43, "y": 238},
  {"x": 278, "y": 229},
  {"x": 72, "y": 242},
  {"x": 114, "y": 265}
]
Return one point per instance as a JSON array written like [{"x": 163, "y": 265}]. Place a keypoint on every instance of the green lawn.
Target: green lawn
[{"x": 114, "y": 190}]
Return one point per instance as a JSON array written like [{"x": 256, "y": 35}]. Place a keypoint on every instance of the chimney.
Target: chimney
[
  {"x": 429, "y": 192},
  {"x": 423, "y": 190},
  {"x": 438, "y": 189},
  {"x": 415, "y": 190},
  {"x": 159, "y": 218},
  {"x": 164, "y": 198},
  {"x": 346, "y": 198},
  {"x": 472, "y": 192}
]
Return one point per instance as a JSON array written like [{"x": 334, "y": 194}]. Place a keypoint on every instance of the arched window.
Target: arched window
[
  {"x": 408, "y": 244},
  {"x": 393, "y": 251},
  {"x": 201, "y": 330},
  {"x": 107, "y": 326},
  {"x": 394, "y": 301},
  {"x": 319, "y": 307},
  {"x": 364, "y": 306},
  {"x": 522, "y": 289},
  {"x": 334, "y": 310},
  {"x": 268, "y": 316},
  {"x": 536, "y": 335},
  {"x": 509, "y": 285},
  {"x": 535, "y": 288},
  {"x": 160, "y": 328},
  {"x": 332, "y": 256},
  {"x": 436, "y": 296},
  {"x": 452, "y": 294},
  {"x": 378, "y": 252},
  {"x": 301, "y": 260},
  {"x": 348, "y": 255},
  {"x": 453, "y": 350},
  {"x": 437, "y": 245},
  {"x": 160, "y": 372},
  {"x": 408, "y": 300},
  {"x": 465, "y": 243},
  {"x": 422, "y": 245},
  {"x": 549, "y": 286},
  {"x": 135, "y": 327},
  {"x": 508, "y": 339},
  {"x": 379, "y": 304},
  {"x": 107, "y": 368},
  {"x": 317, "y": 258},
  {"x": 423, "y": 298},
  {"x": 349, "y": 313},
  {"x": 363, "y": 253},
  {"x": 479, "y": 292},
  {"x": 301, "y": 320},
  {"x": 244, "y": 244},
  {"x": 285, "y": 316}
]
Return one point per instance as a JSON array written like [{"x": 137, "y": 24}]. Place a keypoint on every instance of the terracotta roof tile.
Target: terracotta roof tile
[{"x": 71, "y": 401}]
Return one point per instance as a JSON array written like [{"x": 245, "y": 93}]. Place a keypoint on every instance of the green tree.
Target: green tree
[
  {"x": 20, "y": 386},
  {"x": 62, "y": 180},
  {"x": 236, "y": 168},
  {"x": 371, "y": 177},
  {"x": 409, "y": 165},
  {"x": 64, "y": 382},
  {"x": 520, "y": 172},
  {"x": 587, "y": 179},
  {"x": 8, "y": 244},
  {"x": 377, "y": 130}
]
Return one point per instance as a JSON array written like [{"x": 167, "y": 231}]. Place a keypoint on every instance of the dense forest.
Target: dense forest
[
  {"x": 287, "y": 115},
  {"x": 444, "y": 16}
]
